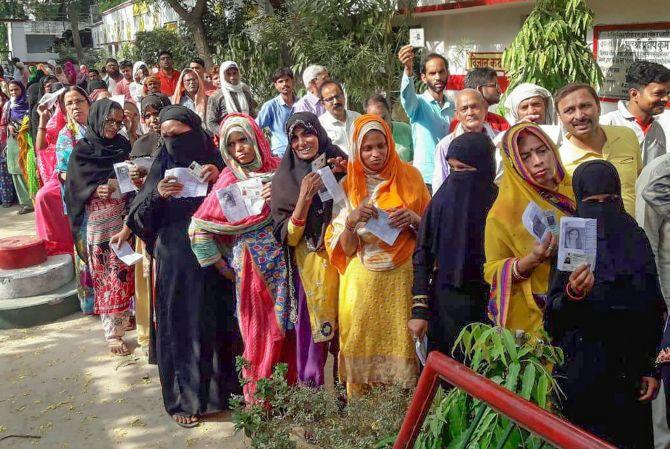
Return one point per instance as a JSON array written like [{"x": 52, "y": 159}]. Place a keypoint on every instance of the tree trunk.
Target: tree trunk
[
  {"x": 74, "y": 23},
  {"x": 201, "y": 44},
  {"x": 193, "y": 20}
]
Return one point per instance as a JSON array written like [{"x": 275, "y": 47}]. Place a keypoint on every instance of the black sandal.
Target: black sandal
[{"x": 186, "y": 425}]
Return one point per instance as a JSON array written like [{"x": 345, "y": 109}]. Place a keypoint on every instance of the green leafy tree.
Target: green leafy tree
[
  {"x": 149, "y": 43},
  {"x": 356, "y": 40},
  {"x": 551, "y": 49}
]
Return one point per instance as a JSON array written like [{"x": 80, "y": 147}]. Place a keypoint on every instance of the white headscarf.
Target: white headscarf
[
  {"x": 227, "y": 88},
  {"x": 137, "y": 89},
  {"x": 523, "y": 92}
]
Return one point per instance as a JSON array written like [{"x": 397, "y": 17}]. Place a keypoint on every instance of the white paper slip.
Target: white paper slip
[
  {"x": 196, "y": 170},
  {"x": 126, "y": 253},
  {"x": 381, "y": 228},
  {"x": 50, "y": 99},
  {"x": 319, "y": 162},
  {"x": 144, "y": 162},
  {"x": 192, "y": 186},
  {"x": 332, "y": 186},
  {"x": 416, "y": 38},
  {"x": 126, "y": 183},
  {"x": 252, "y": 190},
  {"x": 232, "y": 203},
  {"x": 577, "y": 243},
  {"x": 421, "y": 348},
  {"x": 534, "y": 221}
]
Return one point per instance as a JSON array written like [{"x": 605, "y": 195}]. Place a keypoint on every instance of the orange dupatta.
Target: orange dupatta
[{"x": 401, "y": 186}]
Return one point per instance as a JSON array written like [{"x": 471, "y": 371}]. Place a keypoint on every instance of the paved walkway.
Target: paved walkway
[{"x": 58, "y": 382}]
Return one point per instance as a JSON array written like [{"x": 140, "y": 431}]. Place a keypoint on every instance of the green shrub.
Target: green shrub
[{"x": 521, "y": 363}]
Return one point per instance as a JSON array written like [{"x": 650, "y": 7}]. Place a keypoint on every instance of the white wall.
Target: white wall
[
  {"x": 16, "y": 34},
  {"x": 493, "y": 28}
]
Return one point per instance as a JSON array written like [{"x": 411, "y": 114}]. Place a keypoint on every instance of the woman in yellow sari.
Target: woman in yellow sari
[
  {"x": 517, "y": 265},
  {"x": 376, "y": 285}
]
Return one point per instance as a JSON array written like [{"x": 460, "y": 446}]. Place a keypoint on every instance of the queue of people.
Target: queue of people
[{"x": 305, "y": 273}]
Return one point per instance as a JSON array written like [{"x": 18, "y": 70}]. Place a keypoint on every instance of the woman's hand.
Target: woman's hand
[
  {"x": 120, "y": 237},
  {"x": 266, "y": 193},
  {"x": 417, "y": 327},
  {"x": 210, "y": 173},
  {"x": 169, "y": 186},
  {"x": 582, "y": 280},
  {"x": 339, "y": 164},
  {"x": 44, "y": 113},
  {"x": 649, "y": 387},
  {"x": 310, "y": 186},
  {"x": 542, "y": 251},
  {"x": 12, "y": 130},
  {"x": 136, "y": 173},
  {"x": 361, "y": 214},
  {"x": 104, "y": 191},
  {"x": 224, "y": 270},
  {"x": 402, "y": 218}
]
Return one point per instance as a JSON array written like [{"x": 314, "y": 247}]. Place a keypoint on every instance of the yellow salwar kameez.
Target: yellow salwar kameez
[{"x": 375, "y": 297}]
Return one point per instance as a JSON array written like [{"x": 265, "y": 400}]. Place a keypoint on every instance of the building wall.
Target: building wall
[
  {"x": 121, "y": 23},
  {"x": 17, "y": 32},
  {"x": 492, "y": 28}
]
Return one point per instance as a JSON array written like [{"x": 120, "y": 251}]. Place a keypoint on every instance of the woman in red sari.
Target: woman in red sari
[{"x": 247, "y": 249}]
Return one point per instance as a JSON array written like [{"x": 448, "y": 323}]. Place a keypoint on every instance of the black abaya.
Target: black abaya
[{"x": 196, "y": 335}]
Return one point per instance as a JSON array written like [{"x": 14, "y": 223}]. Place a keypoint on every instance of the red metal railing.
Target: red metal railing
[{"x": 525, "y": 414}]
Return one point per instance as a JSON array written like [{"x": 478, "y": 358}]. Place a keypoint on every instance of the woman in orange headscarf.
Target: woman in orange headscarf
[{"x": 375, "y": 290}]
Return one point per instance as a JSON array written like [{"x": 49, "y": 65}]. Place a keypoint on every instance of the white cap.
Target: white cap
[{"x": 310, "y": 74}]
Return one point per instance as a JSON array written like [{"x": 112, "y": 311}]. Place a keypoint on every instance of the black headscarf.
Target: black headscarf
[
  {"x": 35, "y": 93},
  {"x": 149, "y": 144},
  {"x": 95, "y": 85},
  {"x": 288, "y": 178},
  {"x": 623, "y": 248},
  {"x": 195, "y": 145},
  {"x": 92, "y": 161},
  {"x": 453, "y": 225}
]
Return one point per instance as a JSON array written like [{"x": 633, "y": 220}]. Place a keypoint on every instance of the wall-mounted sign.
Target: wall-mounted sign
[
  {"x": 488, "y": 59},
  {"x": 616, "y": 47}
]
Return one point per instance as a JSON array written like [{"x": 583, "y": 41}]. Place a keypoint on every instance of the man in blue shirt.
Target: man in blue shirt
[
  {"x": 429, "y": 113},
  {"x": 274, "y": 113}
]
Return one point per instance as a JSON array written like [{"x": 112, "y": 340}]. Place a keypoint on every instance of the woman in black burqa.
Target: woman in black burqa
[
  {"x": 196, "y": 336},
  {"x": 608, "y": 322},
  {"x": 449, "y": 288}
]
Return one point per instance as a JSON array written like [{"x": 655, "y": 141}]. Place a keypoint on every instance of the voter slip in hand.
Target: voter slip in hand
[
  {"x": 381, "y": 228},
  {"x": 578, "y": 243},
  {"x": 192, "y": 186},
  {"x": 242, "y": 199},
  {"x": 333, "y": 188},
  {"x": 539, "y": 221},
  {"x": 126, "y": 184},
  {"x": 126, "y": 254}
]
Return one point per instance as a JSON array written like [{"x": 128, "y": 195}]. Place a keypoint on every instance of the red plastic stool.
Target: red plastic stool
[{"x": 21, "y": 252}]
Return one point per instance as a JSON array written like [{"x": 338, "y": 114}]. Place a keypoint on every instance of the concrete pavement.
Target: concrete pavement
[{"x": 59, "y": 382}]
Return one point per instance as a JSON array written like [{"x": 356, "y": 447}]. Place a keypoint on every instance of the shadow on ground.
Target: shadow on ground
[{"x": 60, "y": 383}]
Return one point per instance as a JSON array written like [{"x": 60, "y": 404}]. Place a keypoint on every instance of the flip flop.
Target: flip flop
[{"x": 183, "y": 424}]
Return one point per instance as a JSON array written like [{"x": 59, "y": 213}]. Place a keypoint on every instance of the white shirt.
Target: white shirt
[
  {"x": 652, "y": 143},
  {"x": 339, "y": 132},
  {"x": 441, "y": 167}
]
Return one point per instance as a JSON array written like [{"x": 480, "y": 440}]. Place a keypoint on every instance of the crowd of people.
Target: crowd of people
[{"x": 306, "y": 273}]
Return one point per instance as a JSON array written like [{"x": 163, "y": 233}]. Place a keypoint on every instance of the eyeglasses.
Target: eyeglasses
[
  {"x": 70, "y": 104},
  {"x": 113, "y": 123},
  {"x": 332, "y": 99}
]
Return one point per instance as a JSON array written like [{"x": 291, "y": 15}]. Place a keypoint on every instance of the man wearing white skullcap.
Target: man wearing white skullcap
[{"x": 313, "y": 77}]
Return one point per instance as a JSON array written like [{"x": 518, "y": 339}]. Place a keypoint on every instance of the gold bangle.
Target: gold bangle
[{"x": 515, "y": 271}]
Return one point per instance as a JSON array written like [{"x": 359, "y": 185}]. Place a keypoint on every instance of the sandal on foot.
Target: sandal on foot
[
  {"x": 186, "y": 425},
  {"x": 118, "y": 347}
]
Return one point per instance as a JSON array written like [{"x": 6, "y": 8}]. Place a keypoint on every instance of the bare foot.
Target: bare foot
[
  {"x": 186, "y": 420},
  {"x": 118, "y": 347}
]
